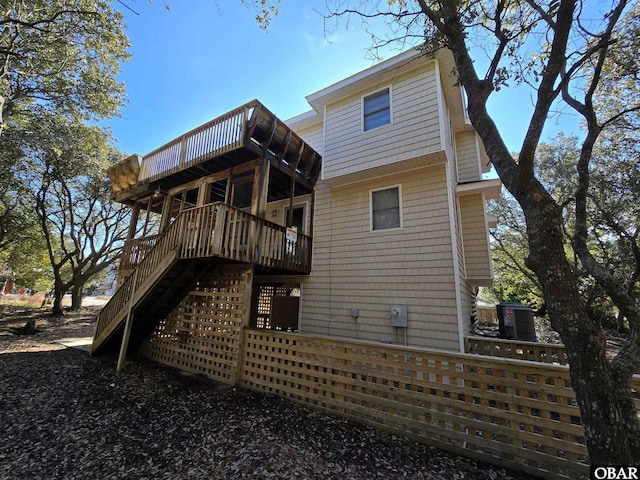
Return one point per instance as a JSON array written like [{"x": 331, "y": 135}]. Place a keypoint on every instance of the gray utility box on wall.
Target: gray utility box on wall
[
  {"x": 515, "y": 321},
  {"x": 399, "y": 316}
]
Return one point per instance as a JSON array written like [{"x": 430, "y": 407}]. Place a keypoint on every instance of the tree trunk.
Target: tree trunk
[
  {"x": 612, "y": 430},
  {"x": 58, "y": 293},
  {"x": 57, "y": 305},
  {"x": 76, "y": 297}
]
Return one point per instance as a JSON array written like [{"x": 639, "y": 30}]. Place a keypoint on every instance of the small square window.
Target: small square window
[
  {"x": 377, "y": 109},
  {"x": 385, "y": 209}
]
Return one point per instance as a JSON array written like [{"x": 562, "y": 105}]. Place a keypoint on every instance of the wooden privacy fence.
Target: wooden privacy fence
[
  {"x": 517, "y": 414},
  {"x": 487, "y": 314},
  {"x": 521, "y": 350}
]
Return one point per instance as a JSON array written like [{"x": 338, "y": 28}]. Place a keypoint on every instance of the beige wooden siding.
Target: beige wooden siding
[
  {"x": 414, "y": 131},
  {"x": 467, "y": 157},
  {"x": 459, "y": 244},
  {"x": 468, "y": 300},
  {"x": 313, "y": 136},
  {"x": 356, "y": 268},
  {"x": 276, "y": 211},
  {"x": 476, "y": 240}
]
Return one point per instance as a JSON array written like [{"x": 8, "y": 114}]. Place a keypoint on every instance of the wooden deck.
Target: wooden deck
[
  {"x": 214, "y": 232},
  {"x": 248, "y": 132}
]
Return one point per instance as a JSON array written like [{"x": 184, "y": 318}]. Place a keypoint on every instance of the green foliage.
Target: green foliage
[
  {"x": 514, "y": 282},
  {"x": 60, "y": 60},
  {"x": 613, "y": 218},
  {"x": 60, "y": 56},
  {"x": 82, "y": 228}
]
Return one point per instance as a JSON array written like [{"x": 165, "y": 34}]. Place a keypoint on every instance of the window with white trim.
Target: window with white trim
[
  {"x": 376, "y": 109},
  {"x": 385, "y": 209}
]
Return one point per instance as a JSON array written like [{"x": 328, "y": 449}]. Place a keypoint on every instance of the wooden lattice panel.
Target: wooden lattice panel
[
  {"x": 521, "y": 350},
  {"x": 266, "y": 292},
  {"x": 202, "y": 334},
  {"x": 517, "y": 414}
]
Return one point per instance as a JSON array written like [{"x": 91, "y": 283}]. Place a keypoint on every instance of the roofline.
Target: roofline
[
  {"x": 362, "y": 79},
  {"x": 304, "y": 120},
  {"x": 491, "y": 188}
]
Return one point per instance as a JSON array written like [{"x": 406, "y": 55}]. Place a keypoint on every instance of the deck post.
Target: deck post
[
  {"x": 246, "y": 316},
  {"x": 133, "y": 222},
  {"x": 259, "y": 203},
  {"x": 127, "y": 325},
  {"x": 165, "y": 216}
]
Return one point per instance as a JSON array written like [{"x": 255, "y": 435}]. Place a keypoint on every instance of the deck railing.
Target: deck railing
[
  {"x": 214, "y": 230},
  {"x": 521, "y": 350},
  {"x": 135, "y": 250},
  {"x": 223, "y": 231},
  {"x": 214, "y": 138},
  {"x": 149, "y": 261},
  {"x": 219, "y": 230}
]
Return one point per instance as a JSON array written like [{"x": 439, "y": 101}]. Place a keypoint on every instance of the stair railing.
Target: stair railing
[{"x": 165, "y": 245}]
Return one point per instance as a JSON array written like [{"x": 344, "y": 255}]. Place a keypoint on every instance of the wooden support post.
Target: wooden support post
[
  {"x": 259, "y": 203},
  {"x": 246, "y": 316},
  {"x": 133, "y": 222},
  {"x": 183, "y": 150},
  {"x": 262, "y": 188},
  {"x": 293, "y": 184},
  {"x": 166, "y": 213},
  {"x": 146, "y": 219},
  {"x": 127, "y": 325},
  {"x": 290, "y": 214}
]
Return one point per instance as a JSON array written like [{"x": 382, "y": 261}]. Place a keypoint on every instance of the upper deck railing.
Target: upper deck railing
[{"x": 214, "y": 138}]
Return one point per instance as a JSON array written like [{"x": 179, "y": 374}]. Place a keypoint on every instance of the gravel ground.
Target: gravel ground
[{"x": 65, "y": 415}]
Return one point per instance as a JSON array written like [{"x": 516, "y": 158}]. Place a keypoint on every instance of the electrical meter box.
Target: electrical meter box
[{"x": 399, "y": 316}]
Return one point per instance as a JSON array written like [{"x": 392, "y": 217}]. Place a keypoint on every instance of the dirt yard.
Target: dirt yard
[{"x": 66, "y": 415}]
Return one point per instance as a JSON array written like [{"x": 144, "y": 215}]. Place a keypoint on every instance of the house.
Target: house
[{"x": 363, "y": 218}]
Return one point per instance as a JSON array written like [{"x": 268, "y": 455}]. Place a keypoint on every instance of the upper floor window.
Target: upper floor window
[
  {"x": 377, "y": 109},
  {"x": 385, "y": 209}
]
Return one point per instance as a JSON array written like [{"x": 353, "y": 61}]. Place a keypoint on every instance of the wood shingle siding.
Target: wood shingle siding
[
  {"x": 476, "y": 241},
  {"x": 356, "y": 268},
  {"x": 468, "y": 157},
  {"x": 414, "y": 128}
]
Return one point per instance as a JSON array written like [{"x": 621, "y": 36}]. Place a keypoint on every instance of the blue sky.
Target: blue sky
[{"x": 203, "y": 58}]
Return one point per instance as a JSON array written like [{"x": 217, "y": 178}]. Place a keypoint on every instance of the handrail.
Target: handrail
[
  {"x": 211, "y": 230},
  {"x": 164, "y": 245},
  {"x": 135, "y": 250},
  {"x": 230, "y": 233},
  {"x": 214, "y": 138}
]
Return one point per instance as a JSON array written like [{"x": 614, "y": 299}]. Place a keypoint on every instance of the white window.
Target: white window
[
  {"x": 376, "y": 109},
  {"x": 386, "y": 212}
]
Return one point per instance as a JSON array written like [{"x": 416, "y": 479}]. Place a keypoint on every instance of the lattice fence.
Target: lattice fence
[
  {"x": 521, "y": 350},
  {"x": 517, "y": 414},
  {"x": 202, "y": 334}
]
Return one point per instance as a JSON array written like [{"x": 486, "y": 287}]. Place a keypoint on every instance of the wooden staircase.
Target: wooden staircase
[{"x": 165, "y": 273}]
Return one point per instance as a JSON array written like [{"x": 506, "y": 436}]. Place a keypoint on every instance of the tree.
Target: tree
[
  {"x": 60, "y": 56},
  {"x": 613, "y": 202},
  {"x": 514, "y": 282},
  {"x": 83, "y": 230},
  {"x": 568, "y": 53}
]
